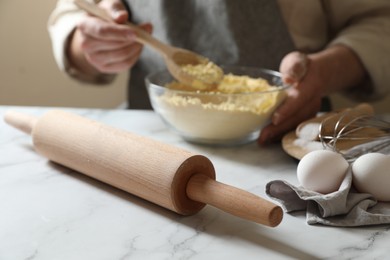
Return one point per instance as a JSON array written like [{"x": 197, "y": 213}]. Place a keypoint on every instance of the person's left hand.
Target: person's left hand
[{"x": 303, "y": 98}]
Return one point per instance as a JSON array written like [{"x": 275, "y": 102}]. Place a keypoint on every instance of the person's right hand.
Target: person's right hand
[{"x": 98, "y": 46}]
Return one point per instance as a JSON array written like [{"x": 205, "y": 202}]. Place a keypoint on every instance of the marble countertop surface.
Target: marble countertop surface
[{"x": 51, "y": 212}]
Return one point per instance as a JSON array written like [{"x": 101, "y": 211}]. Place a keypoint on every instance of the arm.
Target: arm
[
  {"x": 354, "y": 62},
  {"x": 364, "y": 27}
]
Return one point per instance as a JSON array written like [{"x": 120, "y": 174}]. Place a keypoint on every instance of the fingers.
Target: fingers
[
  {"x": 146, "y": 27},
  {"x": 294, "y": 67},
  {"x": 108, "y": 47},
  {"x": 116, "y": 9},
  {"x": 114, "y": 61},
  {"x": 96, "y": 28},
  {"x": 295, "y": 101},
  {"x": 303, "y": 98},
  {"x": 121, "y": 59},
  {"x": 308, "y": 88},
  {"x": 274, "y": 132},
  {"x": 105, "y": 47}
]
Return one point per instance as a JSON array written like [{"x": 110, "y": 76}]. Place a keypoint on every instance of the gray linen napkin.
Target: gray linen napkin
[{"x": 344, "y": 208}]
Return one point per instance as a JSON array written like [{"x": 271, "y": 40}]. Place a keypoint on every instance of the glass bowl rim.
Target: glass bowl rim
[{"x": 282, "y": 87}]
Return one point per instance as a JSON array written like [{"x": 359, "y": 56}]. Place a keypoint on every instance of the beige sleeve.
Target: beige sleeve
[
  {"x": 364, "y": 26},
  {"x": 62, "y": 22}
]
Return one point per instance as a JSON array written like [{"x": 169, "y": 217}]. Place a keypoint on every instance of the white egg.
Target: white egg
[
  {"x": 322, "y": 171},
  {"x": 371, "y": 174}
]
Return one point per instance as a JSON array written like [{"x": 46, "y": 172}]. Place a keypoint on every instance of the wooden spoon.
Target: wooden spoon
[{"x": 185, "y": 66}]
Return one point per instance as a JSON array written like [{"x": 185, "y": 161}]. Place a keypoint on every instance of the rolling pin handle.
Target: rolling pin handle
[
  {"x": 23, "y": 122},
  {"x": 235, "y": 201}
]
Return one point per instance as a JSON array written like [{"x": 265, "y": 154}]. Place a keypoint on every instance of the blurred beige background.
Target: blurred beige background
[{"x": 29, "y": 75}]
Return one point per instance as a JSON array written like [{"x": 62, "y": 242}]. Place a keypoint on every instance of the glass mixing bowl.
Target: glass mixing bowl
[{"x": 216, "y": 118}]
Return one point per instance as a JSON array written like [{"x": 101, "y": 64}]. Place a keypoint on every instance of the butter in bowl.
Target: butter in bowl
[{"x": 232, "y": 113}]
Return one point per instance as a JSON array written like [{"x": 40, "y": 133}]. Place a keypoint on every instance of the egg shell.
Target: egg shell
[
  {"x": 322, "y": 171},
  {"x": 371, "y": 174}
]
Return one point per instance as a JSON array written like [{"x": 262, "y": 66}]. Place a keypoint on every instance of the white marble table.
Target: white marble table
[{"x": 50, "y": 212}]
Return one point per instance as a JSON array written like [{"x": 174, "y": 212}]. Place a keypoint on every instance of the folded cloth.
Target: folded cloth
[{"x": 343, "y": 208}]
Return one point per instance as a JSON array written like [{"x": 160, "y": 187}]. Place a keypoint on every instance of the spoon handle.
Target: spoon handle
[{"x": 141, "y": 35}]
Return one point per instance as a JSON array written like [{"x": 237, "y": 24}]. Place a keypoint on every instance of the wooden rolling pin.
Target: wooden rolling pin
[{"x": 160, "y": 173}]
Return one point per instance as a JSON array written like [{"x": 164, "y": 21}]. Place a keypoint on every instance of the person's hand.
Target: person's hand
[
  {"x": 312, "y": 77},
  {"x": 303, "y": 98},
  {"x": 98, "y": 46}
]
